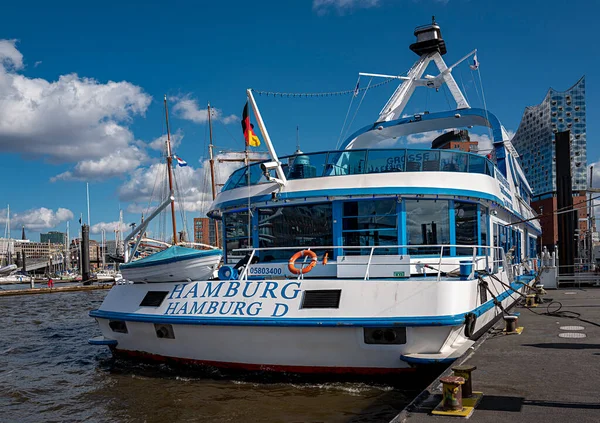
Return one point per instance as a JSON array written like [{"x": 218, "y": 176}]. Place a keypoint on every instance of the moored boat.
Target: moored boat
[
  {"x": 174, "y": 264},
  {"x": 361, "y": 260}
]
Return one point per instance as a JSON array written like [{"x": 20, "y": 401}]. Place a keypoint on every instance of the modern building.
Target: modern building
[
  {"x": 95, "y": 253},
  {"x": 457, "y": 139},
  {"x": 53, "y": 237},
  {"x": 535, "y": 142},
  {"x": 204, "y": 231},
  {"x": 38, "y": 250}
]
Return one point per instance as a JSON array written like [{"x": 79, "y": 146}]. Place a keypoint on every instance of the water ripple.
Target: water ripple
[{"x": 49, "y": 373}]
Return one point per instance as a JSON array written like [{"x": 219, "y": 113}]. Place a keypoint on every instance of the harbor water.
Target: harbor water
[{"x": 49, "y": 373}]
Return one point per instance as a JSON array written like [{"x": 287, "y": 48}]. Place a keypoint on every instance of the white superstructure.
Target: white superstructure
[{"x": 410, "y": 253}]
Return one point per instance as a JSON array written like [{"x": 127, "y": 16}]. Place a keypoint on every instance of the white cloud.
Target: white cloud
[
  {"x": 145, "y": 184},
  {"x": 322, "y": 7},
  {"x": 37, "y": 219},
  {"x": 114, "y": 164},
  {"x": 108, "y": 227},
  {"x": 10, "y": 57},
  {"x": 188, "y": 108},
  {"x": 159, "y": 143},
  {"x": 68, "y": 120}
]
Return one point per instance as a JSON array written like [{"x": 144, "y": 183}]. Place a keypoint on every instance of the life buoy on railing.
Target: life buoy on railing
[{"x": 303, "y": 253}]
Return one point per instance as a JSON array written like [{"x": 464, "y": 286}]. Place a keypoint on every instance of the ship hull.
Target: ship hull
[{"x": 302, "y": 341}]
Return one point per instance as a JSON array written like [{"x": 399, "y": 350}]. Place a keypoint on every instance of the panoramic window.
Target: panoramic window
[
  {"x": 370, "y": 223},
  {"x": 423, "y": 160},
  {"x": 465, "y": 218},
  {"x": 301, "y": 226},
  {"x": 386, "y": 161},
  {"x": 236, "y": 234},
  {"x": 346, "y": 163},
  {"x": 427, "y": 223},
  {"x": 306, "y": 166},
  {"x": 452, "y": 162}
]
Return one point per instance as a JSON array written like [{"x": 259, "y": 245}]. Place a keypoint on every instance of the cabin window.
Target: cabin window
[
  {"x": 423, "y": 160},
  {"x": 427, "y": 223},
  {"x": 532, "y": 247},
  {"x": 452, "y": 162},
  {"x": 483, "y": 227},
  {"x": 477, "y": 164},
  {"x": 346, "y": 163},
  {"x": 465, "y": 218},
  {"x": 386, "y": 161},
  {"x": 237, "y": 234},
  {"x": 234, "y": 179},
  {"x": 294, "y": 226},
  {"x": 370, "y": 223},
  {"x": 306, "y": 166}
]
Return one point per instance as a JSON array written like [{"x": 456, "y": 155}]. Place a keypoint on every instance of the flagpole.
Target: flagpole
[
  {"x": 212, "y": 172},
  {"x": 246, "y": 163},
  {"x": 263, "y": 130},
  {"x": 170, "y": 170}
]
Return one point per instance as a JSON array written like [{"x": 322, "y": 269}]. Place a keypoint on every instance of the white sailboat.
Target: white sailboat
[{"x": 176, "y": 263}]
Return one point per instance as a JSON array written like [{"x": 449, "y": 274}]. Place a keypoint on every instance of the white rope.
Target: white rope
[
  {"x": 346, "y": 118},
  {"x": 357, "y": 109},
  {"x": 485, "y": 107}
]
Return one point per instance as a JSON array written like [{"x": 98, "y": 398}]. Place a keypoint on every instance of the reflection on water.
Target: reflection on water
[{"x": 48, "y": 373}]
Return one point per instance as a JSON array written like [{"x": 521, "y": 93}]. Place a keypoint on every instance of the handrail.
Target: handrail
[{"x": 439, "y": 261}]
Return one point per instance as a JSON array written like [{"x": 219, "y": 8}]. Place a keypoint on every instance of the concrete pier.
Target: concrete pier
[{"x": 548, "y": 373}]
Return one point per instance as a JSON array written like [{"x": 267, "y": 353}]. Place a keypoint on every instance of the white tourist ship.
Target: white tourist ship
[{"x": 363, "y": 260}]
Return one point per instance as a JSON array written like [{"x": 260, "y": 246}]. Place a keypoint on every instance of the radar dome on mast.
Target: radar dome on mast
[{"x": 429, "y": 39}]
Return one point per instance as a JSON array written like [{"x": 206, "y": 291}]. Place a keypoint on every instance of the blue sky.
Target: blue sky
[{"x": 81, "y": 85}]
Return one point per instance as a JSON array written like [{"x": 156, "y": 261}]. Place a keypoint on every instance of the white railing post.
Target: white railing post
[
  {"x": 472, "y": 274},
  {"x": 244, "y": 275},
  {"x": 369, "y": 264},
  {"x": 439, "y": 276}
]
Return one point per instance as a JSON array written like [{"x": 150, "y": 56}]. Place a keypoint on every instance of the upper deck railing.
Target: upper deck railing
[
  {"x": 357, "y": 162},
  {"x": 483, "y": 258}
]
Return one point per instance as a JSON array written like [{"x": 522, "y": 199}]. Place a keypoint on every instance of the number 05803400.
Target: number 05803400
[{"x": 265, "y": 271}]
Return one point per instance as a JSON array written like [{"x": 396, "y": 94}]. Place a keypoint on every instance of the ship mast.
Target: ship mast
[
  {"x": 170, "y": 171},
  {"x": 212, "y": 171}
]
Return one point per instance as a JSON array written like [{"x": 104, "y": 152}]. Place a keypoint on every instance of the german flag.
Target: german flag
[{"x": 248, "y": 128}]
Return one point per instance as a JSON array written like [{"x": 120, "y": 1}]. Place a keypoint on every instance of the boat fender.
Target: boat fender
[
  {"x": 470, "y": 320},
  {"x": 325, "y": 258},
  {"x": 303, "y": 253},
  {"x": 227, "y": 273}
]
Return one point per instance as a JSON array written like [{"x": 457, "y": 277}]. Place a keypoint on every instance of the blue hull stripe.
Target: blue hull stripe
[{"x": 449, "y": 320}]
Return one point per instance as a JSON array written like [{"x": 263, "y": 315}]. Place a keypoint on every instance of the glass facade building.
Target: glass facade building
[{"x": 534, "y": 140}]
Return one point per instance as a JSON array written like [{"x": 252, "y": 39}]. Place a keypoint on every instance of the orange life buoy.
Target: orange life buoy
[{"x": 303, "y": 270}]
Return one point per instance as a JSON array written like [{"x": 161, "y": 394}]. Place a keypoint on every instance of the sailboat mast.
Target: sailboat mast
[
  {"x": 170, "y": 170},
  {"x": 212, "y": 170}
]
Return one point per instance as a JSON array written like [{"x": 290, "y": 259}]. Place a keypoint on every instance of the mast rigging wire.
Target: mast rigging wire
[{"x": 321, "y": 94}]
